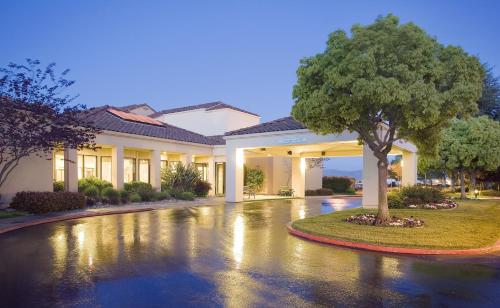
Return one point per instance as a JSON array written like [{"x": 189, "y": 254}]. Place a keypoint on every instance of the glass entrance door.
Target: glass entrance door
[{"x": 220, "y": 178}]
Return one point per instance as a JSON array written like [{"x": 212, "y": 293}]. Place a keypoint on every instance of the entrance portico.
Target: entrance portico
[{"x": 286, "y": 138}]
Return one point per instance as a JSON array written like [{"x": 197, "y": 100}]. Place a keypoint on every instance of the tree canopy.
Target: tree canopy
[
  {"x": 391, "y": 76},
  {"x": 489, "y": 103},
  {"x": 36, "y": 116}
]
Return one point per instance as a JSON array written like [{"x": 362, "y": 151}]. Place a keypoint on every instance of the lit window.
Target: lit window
[
  {"x": 163, "y": 164},
  {"x": 144, "y": 170},
  {"x": 128, "y": 170},
  {"x": 203, "y": 170},
  {"x": 59, "y": 167},
  {"x": 80, "y": 166},
  {"x": 89, "y": 166},
  {"x": 106, "y": 168}
]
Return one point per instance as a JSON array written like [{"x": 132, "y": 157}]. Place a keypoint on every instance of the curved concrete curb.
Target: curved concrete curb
[
  {"x": 400, "y": 250},
  {"x": 69, "y": 217}
]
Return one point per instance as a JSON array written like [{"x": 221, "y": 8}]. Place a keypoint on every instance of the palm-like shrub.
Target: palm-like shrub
[
  {"x": 182, "y": 178},
  {"x": 83, "y": 184}
]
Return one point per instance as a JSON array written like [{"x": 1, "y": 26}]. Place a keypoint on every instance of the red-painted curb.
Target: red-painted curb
[
  {"x": 69, "y": 217},
  {"x": 400, "y": 250}
]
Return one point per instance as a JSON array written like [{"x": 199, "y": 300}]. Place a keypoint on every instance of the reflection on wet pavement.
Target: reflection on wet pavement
[{"x": 225, "y": 255}]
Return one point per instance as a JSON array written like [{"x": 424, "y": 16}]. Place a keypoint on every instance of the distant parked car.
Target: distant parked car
[{"x": 358, "y": 185}]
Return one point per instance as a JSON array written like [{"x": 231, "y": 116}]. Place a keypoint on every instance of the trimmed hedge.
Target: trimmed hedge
[
  {"x": 58, "y": 186},
  {"x": 319, "y": 192},
  {"x": 145, "y": 190},
  {"x": 414, "y": 195},
  {"x": 83, "y": 184},
  {"x": 44, "y": 202},
  {"x": 111, "y": 195},
  {"x": 201, "y": 188},
  {"x": 339, "y": 184}
]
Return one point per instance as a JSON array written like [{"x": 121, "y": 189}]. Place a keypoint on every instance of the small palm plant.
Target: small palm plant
[{"x": 181, "y": 178}]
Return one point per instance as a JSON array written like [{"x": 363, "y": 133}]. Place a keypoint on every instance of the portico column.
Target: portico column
[
  {"x": 298, "y": 176},
  {"x": 70, "y": 170},
  {"x": 155, "y": 170},
  {"x": 409, "y": 169},
  {"x": 186, "y": 158},
  {"x": 370, "y": 179},
  {"x": 211, "y": 175},
  {"x": 117, "y": 166},
  {"x": 234, "y": 174}
]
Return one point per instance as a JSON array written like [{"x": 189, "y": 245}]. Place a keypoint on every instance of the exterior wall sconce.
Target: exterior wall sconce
[{"x": 289, "y": 153}]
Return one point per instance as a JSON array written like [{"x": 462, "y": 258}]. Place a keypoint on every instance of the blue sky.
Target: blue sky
[{"x": 245, "y": 53}]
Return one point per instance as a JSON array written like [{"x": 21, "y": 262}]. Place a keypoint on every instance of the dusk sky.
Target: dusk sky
[{"x": 245, "y": 53}]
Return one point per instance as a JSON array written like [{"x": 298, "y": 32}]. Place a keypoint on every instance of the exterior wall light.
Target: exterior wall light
[
  {"x": 289, "y": 153},
  {"x": 476, "y": 193}
]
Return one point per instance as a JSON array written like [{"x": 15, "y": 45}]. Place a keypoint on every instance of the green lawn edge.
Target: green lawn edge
[{"x": 474, "y": 224}]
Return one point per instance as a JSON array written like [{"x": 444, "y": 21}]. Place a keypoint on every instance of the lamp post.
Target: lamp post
[{"x": 476, "y": 193}]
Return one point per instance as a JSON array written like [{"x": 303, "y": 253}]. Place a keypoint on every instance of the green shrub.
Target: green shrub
[
  {"x": 161, "y": 195},
  {"x": 253, "y": 178},
  {"x": 92, "y": 181},
  {"x": 395, "y": 201},
  {"x": 339, "y": 184},
  {"x": 91, "y": 192},
  {"x": 58, "y": 186},
  {"x": 145, "y": 190},
  {"x": 350, "y": 191},
  {"x": 319, "y": 192},
  {"x": 111, "y": 195},
  {"x": 202, "y": 188},
  {"x": 134, "y": 197},
  {"x": 180, "y": 179},
  {"x": 420, "y": 195},
  {"x": 185, "y": 195},
  {"x": 124, "y": 196},
  {"x": 44, "y": 202}
]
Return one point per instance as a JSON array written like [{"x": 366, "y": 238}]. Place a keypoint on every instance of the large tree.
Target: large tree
[
  {"x": 489, "y": 102},
  {"x": 386, "y": 82},
  {"x": 470, "y": 145},
  {"x": 37, "y": 116}
]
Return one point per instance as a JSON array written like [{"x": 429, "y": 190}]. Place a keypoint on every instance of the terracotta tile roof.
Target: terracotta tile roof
[
  {"x": 207, "y": 106},
  {"x": 283, "y": 124},
  {"x": 108, "y": 118}
]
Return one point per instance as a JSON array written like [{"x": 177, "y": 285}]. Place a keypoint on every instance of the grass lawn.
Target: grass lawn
[
  {"x": 474, "y": 224},
  {"x": 9, "y": 214}
]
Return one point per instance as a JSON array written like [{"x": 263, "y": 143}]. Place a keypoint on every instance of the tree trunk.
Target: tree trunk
[
  {"x": 472, "y": 180},
  {"x": 383, "y": 216},
  {"x": 462, "y": 185},
  {"x": 453, "y": 183}
]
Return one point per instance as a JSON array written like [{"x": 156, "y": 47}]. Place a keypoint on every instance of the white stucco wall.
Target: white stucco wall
[
  {"x": 314, "y": 178},
  {"x": 210, "y": 123},
  {"x": 32, "y": 174}
]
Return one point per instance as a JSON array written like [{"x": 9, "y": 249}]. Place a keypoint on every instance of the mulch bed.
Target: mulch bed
[{"x": 369, "y": 219}]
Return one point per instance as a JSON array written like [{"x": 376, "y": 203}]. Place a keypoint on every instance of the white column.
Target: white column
[
  {"x": 234, "y": 174},
  {"x": 155, "y": 170},
  {"x": 211, "y": 174},
  {"x": 117, "y": 166},
  {"x": 298, "y": 176},
  {"x": 409, "y": 169},
  {"x": 70, "y": 170},
  {"x": 186, "y": 158},
  {"x": 370, "y": 179}
]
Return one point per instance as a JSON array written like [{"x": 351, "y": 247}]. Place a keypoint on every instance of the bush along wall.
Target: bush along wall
[
  {"x": 45, "y": 202},
  {"x": 339, "y": 184}
]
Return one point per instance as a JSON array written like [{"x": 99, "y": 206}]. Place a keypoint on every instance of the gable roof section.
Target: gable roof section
[
  {"x": 283, "y": 124},
  {"x": 206, "y": 106},
  {"x": 107, "y": 118},
  {"x": 135, "y": 106}
]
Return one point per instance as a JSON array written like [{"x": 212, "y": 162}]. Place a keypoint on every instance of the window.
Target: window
[
  {"x": 80, "y": 166},
  {"x": 128, "y": 170},
  {"x": 106, "y": 166},
  {"x": 89, "y": 166},
  {"x": 203, "y": 170},
  {"x": 163, "y": 164},
  {"x": 220, "y": 178},
  {"x": 59, "y": 167},
  {"x": 173, "y": 164},
  {"x": 144, "y": 170}
]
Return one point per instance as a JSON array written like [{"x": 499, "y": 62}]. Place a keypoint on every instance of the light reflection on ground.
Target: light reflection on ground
[{"x": 232, "y": 255}]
